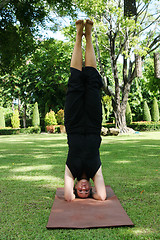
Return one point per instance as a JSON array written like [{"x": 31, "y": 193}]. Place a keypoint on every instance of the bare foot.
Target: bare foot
[
  {"x": 88, "y": 27},
  {"x": 79, "y": 27}
]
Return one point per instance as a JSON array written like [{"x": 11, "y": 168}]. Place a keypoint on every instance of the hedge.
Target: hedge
[
  {"x": 31, "y": 130},
  {"x": 139, "y": 126},
  {"x": 10, "y": 131},
  {"x": 145, "y": 126}
]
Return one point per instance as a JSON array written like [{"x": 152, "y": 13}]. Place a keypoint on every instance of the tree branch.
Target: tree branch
[{"x": 3, "y": 3}]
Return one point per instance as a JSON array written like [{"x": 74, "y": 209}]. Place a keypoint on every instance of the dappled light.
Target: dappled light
[
  {"x": 53, "y": 145},
  {"x": 154, "y": 146},
  {"x": 141, "y": 231},
  {"x": 105, "y": 152},
  {"x": 4, "y": 167},
  {"x": 32, "y": 168},
  {"x": 48, "y": 178},
  {"x": 123, "y": 161}
]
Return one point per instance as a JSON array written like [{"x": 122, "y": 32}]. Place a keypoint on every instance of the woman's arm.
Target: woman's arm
[
  {"x": 99, "y": 185},
  {"x": 68, "y": 185}
]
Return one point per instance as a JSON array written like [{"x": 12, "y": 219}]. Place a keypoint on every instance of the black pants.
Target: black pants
[{"x": 83, "y": 118}]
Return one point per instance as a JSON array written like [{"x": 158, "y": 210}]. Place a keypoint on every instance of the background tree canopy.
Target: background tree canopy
[
  {"x": 19, "y": 22},
  {"x": 34, "y": 69}
]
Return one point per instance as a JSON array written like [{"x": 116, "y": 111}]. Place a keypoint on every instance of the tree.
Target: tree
[
  {"x": 42, "y": 77},
  {"x": 19, "y": 24},
  {"x": 146, "y": 112},
  {"x": 60, "y": 117},
  {"x": 2, "y": 119},
  {"x": 155, "y": 111},
  {"x": 153, "y": 82},
  {"x": 123, "y": 37},
  {"x": 128, "y": 114},
  {"x": 15, "y": 121},
  {"x": 50, "y": 118},
  {"x": 35, "y": 118}
]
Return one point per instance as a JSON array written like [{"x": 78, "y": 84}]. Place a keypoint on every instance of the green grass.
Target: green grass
[{"x": 32, "y": 167}]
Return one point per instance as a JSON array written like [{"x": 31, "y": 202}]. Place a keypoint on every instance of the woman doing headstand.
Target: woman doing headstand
[{"x": 83, "y": 117}]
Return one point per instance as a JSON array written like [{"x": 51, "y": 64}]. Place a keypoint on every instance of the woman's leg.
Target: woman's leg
[
  {"x": 76, "y": 61},
  {"x": 93, "y": 112},
  {"x": 74, "y": 104},
  {"x": 93, "y": 106},
  {"x": 90, "y": 58}
]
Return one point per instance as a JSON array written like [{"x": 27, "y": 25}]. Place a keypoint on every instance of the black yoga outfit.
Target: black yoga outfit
[{"x": 83, "y": 118}]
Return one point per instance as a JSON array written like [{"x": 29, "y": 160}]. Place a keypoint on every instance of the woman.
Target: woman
[{"x": 83, "y": 117}]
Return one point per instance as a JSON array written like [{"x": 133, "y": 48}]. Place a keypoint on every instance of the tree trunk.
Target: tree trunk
[
  {"x": 157, "y": 65},
  {"x": 120, "y": 120},
  {"x": 24, "y": 115}
]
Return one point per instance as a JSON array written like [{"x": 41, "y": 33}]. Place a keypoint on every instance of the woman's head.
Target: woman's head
[{"x": 83, "y": 188}]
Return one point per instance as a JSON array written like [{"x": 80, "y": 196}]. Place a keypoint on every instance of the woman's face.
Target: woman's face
[{"x": 83, "y": 188}]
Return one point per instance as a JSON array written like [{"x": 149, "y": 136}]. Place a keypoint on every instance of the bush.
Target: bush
[
  {"x": 50, "y": 119},
  {"x": 60, "y": 117},
  {"x": 146, "y": 112},
  {"x": 139, "y": 126},
  {"x": 35, "y": 119},
  {"x": 128, "y": 114},
  {"x": 2, "y": 119},
  {"x": 31, "y": 130},
  {"x": 9, "y": 131},
  {"x": 15, "y": 121},
  {"x": 145, "y": 126},
  {"x": 155, "y": 111}
]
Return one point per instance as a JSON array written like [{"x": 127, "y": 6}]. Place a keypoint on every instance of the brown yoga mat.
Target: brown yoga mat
[{"x": 87, "y": 213}]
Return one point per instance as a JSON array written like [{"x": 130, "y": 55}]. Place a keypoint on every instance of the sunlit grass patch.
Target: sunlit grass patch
[{"x": 32, "y": 168}]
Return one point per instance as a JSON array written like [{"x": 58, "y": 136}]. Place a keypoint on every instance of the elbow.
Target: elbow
[
  {"x": 103, "y": 197},
  {"x": 69, "y": 197}
]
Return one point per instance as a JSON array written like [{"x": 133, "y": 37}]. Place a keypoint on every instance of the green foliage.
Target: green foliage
[
  {"x": 103, "y": 114},
  {"x": 107, "y": 102},
  {"x": 2, "y": 119},
  {"x": 50, "y": 119},
  {"x": 43, "y": 77},
  {"x": 60, "y": 117},
  {"x": 31, "y": 130},
  {"x": 155, "y": 111},
  {"x": 20, "y": 20},
  {"x": 145, "y": 126},
  {"x": 46, "y": 108},
  {"x": 35, "y": 118},
  {"x": 9, "y": 131},
  {"x": 128, "y": 114},
  {"x": 146, "y": 112},
  {"x": 15, "y": 121},
  {"x": 153, "y": 84}
]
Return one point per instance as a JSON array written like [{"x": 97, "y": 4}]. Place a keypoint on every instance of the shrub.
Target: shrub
[
  {"x": 145, "y": 126},
  {"x": 15, "y": 121},
  {"x": 46, "y": 108},
  {"x": 146, "y": 112},
  {"x": 35, "y": 118},
  {"x": 50, "y": 119},
  {"x": 60, "y": 117},
  {"x": 128, "y": 114},
  {"x": 9, "y": 131},
  {"x": 31, "y": 130},
  {"x": 155, "y": 111},
  {"x": 2, "y": 119}
]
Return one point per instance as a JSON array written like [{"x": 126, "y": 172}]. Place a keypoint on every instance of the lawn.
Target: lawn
[{"x": 32, "y": 167}]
